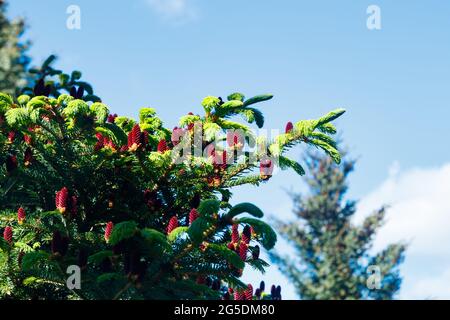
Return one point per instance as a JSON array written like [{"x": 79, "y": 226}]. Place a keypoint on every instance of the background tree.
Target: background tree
[
  {"x": 333, "y": 254},
  {"x": 13, "y": 58}
]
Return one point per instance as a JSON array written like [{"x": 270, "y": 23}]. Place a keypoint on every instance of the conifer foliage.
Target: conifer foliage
[
  {"x": 82, "y": 186},
  {"x": 333, "y": 257}
]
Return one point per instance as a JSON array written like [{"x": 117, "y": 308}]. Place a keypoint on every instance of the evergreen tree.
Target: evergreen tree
[
  {"x": 332, "y": 254},
  {"x": 80, "y": 186},
  {"x": 13, "y": 58}
]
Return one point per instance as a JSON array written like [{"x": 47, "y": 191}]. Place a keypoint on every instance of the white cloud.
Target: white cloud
[
  {"x": 434, "y": 286},
  {"x": 419, "y": 213},
  {"x": 177, "y": 11}
]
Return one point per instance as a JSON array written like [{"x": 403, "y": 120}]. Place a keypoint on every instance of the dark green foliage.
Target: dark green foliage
[{"x": 51, "y": 82}]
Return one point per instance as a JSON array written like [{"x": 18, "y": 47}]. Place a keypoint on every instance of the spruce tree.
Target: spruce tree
[
  {"x": 332, "y": 254},
  {"x": 129, "y": 202},
  {"x": 13, "y": 58}
]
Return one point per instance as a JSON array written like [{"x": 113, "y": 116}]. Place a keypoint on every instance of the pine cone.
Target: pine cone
[
  {"x": 255, "y": 253},
  {"x": 11, "y": 136},
  {"x": 108, "y": 230},
  {"x": 129, "y": 141},
  {"x": 234, "y": 139},
  {"x": 190, "y": 126},
  {"x": 28, "y": 140},
  {"x": 11, "y": 163},
  {"x": 289, "y": 127},
  {"x": 40, "y": 89},
  {"x": 262, "y": 286},
  {"x": 193, "y": 215},
  {"x": 112, "y": 118},
  {"x": 8, "y": 234},
  {"x": 273, "y": 291},
  {"x": 77, "y": 93},
  {"x": 246, "y": 234},
  {"x": 21, "y": 215},
  {"x": 278, "y": 292},
  {"x": 239, "y": 295},
  {"x": 28, "y": 157},
  {"x": 266, "y": 169},
  {"x": 248, "y": 294},
  {"x": 162, "y": 146},
  {"x": 134, "y": 138},
  {"x": 234, "y": 233},
  {"x": 177, "y": 134},
  {"x": 136, "y": 132},
  {"x": 210, "y": 151},
  {"x": 173, "y": 223},
  {"x": 100, "y": 141},
  {"x": 61, "y": 200},
  {"x": 243, "y": 248}
]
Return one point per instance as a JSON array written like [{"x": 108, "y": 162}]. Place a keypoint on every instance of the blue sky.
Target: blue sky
[{"x": 313, "y": 56}]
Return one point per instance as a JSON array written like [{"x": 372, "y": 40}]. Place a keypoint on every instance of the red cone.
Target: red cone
[
  {"x": 255, "y": 253},
  {"x": 11, "y": 136},
  {"x": 239, "y": 295},
  {"x": 243, "y": 248},
  {"x": 173, "y": 223},
  {"x": 193, "y": 215},
  {"x": 28, "y": 140},
  {"x": 7, "y": 234},
  {"x": 234, "y": 233},
  {"x": 28, "y": 157},
  {"x": 21, "y": 215},
  {"x": 289, "y": 127},
  {"x": 249, "y": 292},
  {"x": 11, "y": 163},
  {"x": 177, "y": 134},
  {"x": 108, "y": 230},
  {"x": 112, "y": 118},
  {"x": 162, "y": 146},
  {"x": 134, "y": 138},
  {"x": 266, "y": 169},
  {"x": 61, "y": 200},
  {"x": 246, "y": 234}
]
